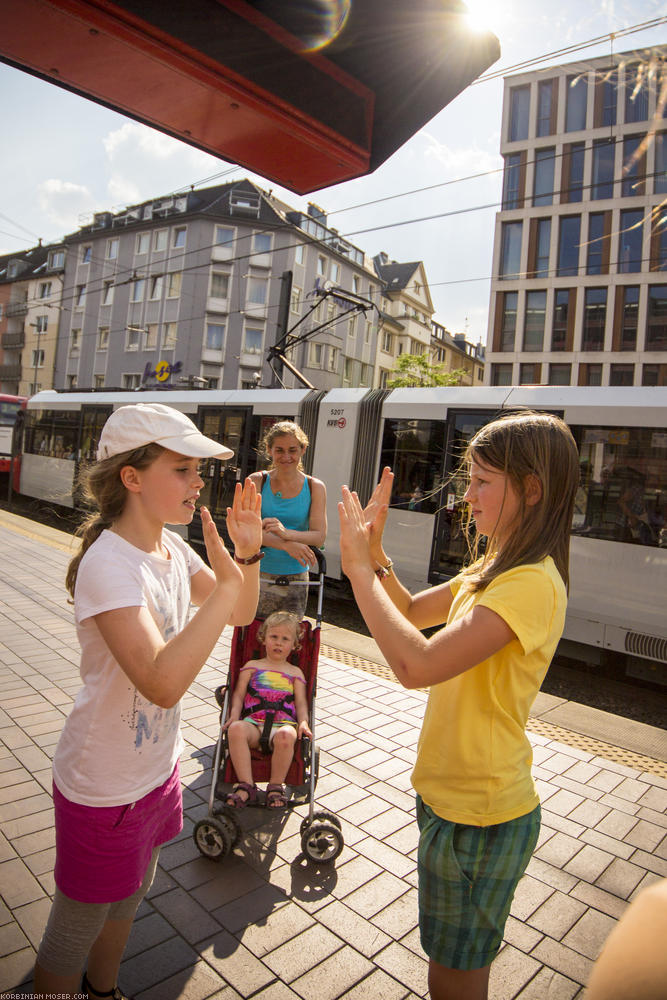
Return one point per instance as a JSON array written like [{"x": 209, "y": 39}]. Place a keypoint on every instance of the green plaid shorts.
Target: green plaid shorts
[{"x": 467, "y": 879}]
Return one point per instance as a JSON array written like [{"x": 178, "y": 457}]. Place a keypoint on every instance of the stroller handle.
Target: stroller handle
[{"x": 321, "y": 561}]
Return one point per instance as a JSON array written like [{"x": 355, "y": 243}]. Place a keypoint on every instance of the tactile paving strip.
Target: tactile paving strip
[{"x": 587, "y": 743}]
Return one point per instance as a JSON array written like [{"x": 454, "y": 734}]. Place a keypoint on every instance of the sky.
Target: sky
[{"x": 65, "y": 157}]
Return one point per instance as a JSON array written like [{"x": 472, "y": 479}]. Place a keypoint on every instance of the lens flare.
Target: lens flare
[{"x": 319, "y": 22}]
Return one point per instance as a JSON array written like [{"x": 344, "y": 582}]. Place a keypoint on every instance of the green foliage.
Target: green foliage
[{"x": 417, "y": 370}]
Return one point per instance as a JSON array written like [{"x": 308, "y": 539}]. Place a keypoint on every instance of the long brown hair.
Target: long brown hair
[
  {"x": 521, "y": 445},
  {"x": 103, "y": 489}
]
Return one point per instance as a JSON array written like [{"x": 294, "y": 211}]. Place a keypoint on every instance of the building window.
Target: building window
[
  {"x": 37, "y": 358},
  {"x": 334, "y": 354},
  {"x": 256, "y": 292},
  {"x": 597, "y": 248},
  {"x": 560, "y": 374},
  {"x": 590, "y": 374},
  {"x": 72, "y": 381},
  {"x": 75, "y": 342},
  {"x": 352, "y": 327},
  {"x": 595, "y": 314},
  {"x": 298, "y": 253},
  {"x": 654, "y": 374},
  {"x": 630, "y": 240},
  {"x": 107, "y": 293},
  {"x": 252, "y": 340},
  {"x": 321, "y": 266},
  {"x": 533, "y": 331},
  {"x": 540, "y": 261},
  {"x": 634, "y": 170},
  {"x": 530, "y": 374},
  {"x": 636, "y": 93},
  {"x": 519, "y": 112},
  {"x": 606, "y": 93},
  {"x": 157, "y": 286},
  {"x": 626, "y": 318},
  {"x": 335, "y": 272},
  {"x": 506, "y": 321},
  {"x": 131, "y": 380},
  {"x": 603, "y": 169},
  {"x": 261, "y": 243},
  {"x": 224, "y": 236},
  {"x": 219, "y": 285},
  {"x": 569, "y": 239},
  {"x": 621, "y": 374},
  {"x": 179, "y": 236},
  {"x": 160, "y": 238},
  {"x": 356, "y": 286},
  {"x": 561, "y": 327},
  {"x": 656, "y": 324},
  {"x": 513, "y": 181},
  {"x": 80, "y": 296},
  {"x": 387, "y": 342},
  {"x": 112, "y": 249},
  {"x": 658, "y": 259},
  {"x": 41, "y": 324},
  {"x": 543, "y": 191},
  {"x": 143, "y": 243},
  {"x": 510, "y": 255},
  {"x": 132, "y": 338},
  {"x": 546, "y": 107},
  {"x": 174, "y": 286},
  {"x": 501, "y": 374},
  {"x": 661, "y": 163},
  {"x": 170, "y": 336},
  {"x": 575, "y": 108},
  {"x": 45, "y": 289},
  {"x": 215, "y": 336},
  {"x": 86, "y": 254},
  {"x": 137, "y": 293},
  {"x": 573, "y": 172},
  {"x": 315, "y": 355},
  {"x": 295, "y": 299},
  {"x": 150, "y": 337},
  {"x": 56, "y": 259},
  {"x": 102, "y": 338}
]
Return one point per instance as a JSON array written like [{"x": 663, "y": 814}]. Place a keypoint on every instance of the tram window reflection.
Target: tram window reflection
[{"x": 414, "y": 449}]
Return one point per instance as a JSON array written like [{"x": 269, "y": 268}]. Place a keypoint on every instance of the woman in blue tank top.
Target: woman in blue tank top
[{"x": 294, "y": 517}]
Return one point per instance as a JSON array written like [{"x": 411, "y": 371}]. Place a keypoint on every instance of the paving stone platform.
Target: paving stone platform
[{"x": 265, "y": 923}]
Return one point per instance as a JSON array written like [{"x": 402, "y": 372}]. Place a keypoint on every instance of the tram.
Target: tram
[
  {"x": 10, "y": 408},
  {"x": 619, "y": 537}
]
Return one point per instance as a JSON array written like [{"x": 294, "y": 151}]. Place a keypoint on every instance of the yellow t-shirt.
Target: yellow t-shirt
[{"x": 474, "y": 758}]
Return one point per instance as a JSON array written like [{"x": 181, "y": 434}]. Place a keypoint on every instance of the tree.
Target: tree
[{"x": 417, "y": 370}]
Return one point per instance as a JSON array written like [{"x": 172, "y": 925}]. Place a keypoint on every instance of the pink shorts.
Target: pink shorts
[{"x": 102, "y": 853}]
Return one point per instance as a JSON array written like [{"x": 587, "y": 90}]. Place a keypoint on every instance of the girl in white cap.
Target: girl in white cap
[{"x": 116, "y": 787}]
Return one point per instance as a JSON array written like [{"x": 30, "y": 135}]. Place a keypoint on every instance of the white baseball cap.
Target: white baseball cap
[{"x": 134, "y": 426}]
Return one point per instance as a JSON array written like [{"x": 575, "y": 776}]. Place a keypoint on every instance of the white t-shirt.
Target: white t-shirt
[{"x": 117, "y": 745}]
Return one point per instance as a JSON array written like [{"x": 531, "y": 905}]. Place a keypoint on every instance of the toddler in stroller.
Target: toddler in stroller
[{"x": 269, "y": 710}]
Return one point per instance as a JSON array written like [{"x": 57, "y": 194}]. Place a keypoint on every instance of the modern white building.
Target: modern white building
[{"x": 579, "y": 288}]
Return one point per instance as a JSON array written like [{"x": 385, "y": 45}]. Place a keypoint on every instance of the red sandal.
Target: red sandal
[
  {"x": 275, "y": 797},
  {"x": 236, "y": 801}
]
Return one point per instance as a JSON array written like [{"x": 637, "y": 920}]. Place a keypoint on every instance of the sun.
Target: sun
[{"x": 483, "y": 15}]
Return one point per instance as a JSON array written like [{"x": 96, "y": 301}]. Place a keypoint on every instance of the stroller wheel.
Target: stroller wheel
[
  {"x": 324, "y": 817},
  {"x": 212, "y": 838},
  {"x": 225, "y": 815},
  {"x": 322, "y": 842}
]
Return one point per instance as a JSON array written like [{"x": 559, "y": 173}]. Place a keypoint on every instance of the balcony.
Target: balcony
[
  {"x": 13, "y": 340},
  {"x": 10, "y": 371},
  {"x": 16, "y": 309}
]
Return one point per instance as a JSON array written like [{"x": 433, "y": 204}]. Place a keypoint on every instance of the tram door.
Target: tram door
[
  {"x": 449, "y": 544},
  {"x": 93, "y": 419},
  {"x": 232, "y": 427}
]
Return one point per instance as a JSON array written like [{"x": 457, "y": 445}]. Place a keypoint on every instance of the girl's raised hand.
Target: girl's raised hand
[
  {"x": 244, "y": 520},
  {"x": 375, "y": 512},
  {"x": 219, "y": 558},
  {"x": 355, "y": 533}
]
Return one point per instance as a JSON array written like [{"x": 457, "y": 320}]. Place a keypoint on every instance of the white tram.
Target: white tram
[{"x": 619, "y": 543}]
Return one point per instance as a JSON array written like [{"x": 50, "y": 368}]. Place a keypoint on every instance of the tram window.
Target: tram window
[
  {"x": 414, "y": 449},
  {"x": 51, "y": 433},
  {"x": 8, "y": 413},
  {"x": 622, "y": 494}
]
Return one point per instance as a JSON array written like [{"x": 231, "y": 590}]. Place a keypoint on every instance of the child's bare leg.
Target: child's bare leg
[
  {"x": 243, "y": 737},
  {"x": 283, "y": 752},
  {"x": 49, "y": 984},
  {"x": 106, "y": 954},
  {"x": 457, "y": 984}
]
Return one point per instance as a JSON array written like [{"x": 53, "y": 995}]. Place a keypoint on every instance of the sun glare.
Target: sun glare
[{"x": 482, "y": 14}]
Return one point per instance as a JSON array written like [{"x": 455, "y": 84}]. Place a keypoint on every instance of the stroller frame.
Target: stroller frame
[{"x": 321, "y": 834}]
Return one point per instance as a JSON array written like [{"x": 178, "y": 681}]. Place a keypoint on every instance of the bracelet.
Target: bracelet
[
  {"x": 383, "y": 571},
  {"x": 250, "y": 560}
]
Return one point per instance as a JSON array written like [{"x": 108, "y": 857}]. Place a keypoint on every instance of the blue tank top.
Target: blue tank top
[{"x": 294, "y": 513}]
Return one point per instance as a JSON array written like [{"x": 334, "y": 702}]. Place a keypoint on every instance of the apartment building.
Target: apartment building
[
  {"x": 30, "y": 295},
  {"x": 406, "y": 309},
  {"x": 195, "y": 288},
  {"x": 579, "y": 288},
  {"x": 457, "y": 354}
]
